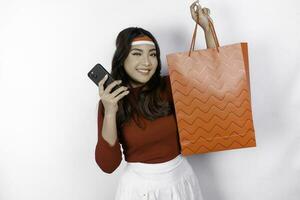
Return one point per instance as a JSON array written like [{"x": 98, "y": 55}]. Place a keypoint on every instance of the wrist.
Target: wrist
[
  {"x": 206, "y": 29},
  {"x": 110, "y": 114}
]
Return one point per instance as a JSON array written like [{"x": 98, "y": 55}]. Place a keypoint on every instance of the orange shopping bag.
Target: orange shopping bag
[{"x": 212, "y": 99}]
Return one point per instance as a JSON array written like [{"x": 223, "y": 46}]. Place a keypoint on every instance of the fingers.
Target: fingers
[
  {"x": 116, "y": 99},
  {"x": 111, "y": 85},
  {"x": 101, "y": 83},
  {"x": 196, "y": 10},
  {"x": 195, "y": 5},
  {"x": 206, "y": 11},
  {"x": 193, "y": 13},
  {"x": 108, "y": 88},
  {"x": 117, "y": 91},
  {"x": 199, "y": 10},
  {"x": 199, "y": 7}
]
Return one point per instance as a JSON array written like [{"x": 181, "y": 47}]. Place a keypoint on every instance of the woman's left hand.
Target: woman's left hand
[{"x": 203, "y": 14}]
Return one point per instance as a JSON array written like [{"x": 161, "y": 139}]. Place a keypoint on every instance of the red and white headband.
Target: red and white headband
[{"x": 142, "y": 40}]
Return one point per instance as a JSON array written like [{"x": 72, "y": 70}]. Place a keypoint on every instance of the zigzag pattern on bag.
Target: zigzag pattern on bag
[{"x": 212, "y": 99}]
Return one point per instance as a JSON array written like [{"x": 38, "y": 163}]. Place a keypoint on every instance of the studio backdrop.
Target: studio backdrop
[{"x": 48, "y": 105}]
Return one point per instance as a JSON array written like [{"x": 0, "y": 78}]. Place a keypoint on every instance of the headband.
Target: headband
[{"x": 142, "y": 40}]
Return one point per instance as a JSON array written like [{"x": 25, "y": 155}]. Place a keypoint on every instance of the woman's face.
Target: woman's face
[{"x": 141, "y": 64}]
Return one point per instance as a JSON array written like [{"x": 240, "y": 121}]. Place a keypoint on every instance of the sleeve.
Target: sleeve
[{"x": 107, "y": 157}]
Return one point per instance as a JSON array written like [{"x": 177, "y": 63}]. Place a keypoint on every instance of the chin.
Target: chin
[
  {"x": 143, "y": 81},
  {"x": 141, "y": 78}
]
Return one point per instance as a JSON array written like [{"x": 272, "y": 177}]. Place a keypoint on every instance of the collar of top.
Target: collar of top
[{"x": 142, "y": 40}]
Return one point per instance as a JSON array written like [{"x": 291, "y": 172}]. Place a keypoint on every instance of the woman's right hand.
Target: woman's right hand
[
  {"x": 110, "y": 100},
  {"x": 200, "y": 15}
]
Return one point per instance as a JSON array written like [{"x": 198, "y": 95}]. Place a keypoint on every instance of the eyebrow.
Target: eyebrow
[{"x": 142, "y": 50}]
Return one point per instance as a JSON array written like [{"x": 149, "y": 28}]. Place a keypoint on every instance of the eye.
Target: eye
[
  {"x": 153, "y": 54},
  {"x": 135, "y": 54}
]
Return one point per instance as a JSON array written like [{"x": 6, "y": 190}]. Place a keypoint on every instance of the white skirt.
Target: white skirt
[{"x": 171, "y": 180}]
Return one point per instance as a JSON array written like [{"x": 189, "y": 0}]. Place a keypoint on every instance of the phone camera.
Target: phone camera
[{"x": 93, "y": 75}]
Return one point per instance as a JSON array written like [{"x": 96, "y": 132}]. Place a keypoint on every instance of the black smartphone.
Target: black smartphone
[{"x": 98, "y": 72}]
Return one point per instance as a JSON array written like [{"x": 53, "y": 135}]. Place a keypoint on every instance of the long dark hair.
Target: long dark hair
[{"x": 148, "y": 103}]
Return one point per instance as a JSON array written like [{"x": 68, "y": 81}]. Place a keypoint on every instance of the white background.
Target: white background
[{"x": 48, "y": 106}]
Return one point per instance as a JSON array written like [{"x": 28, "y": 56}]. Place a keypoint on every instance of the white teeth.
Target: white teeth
[{"x": 143, "y": 71}]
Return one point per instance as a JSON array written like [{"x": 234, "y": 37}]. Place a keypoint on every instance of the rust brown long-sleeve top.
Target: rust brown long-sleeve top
[{"x": 158, "y": 142}]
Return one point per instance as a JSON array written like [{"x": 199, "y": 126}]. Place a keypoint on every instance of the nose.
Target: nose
[{"x": 146, "y": 60}]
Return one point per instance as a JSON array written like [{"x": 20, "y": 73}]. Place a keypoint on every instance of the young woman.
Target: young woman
[{"x": 140, "y": 116}]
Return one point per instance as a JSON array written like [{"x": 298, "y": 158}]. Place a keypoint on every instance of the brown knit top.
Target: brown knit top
[{"x": 158, "y": 142}]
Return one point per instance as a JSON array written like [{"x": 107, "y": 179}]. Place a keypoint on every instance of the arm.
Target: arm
[
  {"x": 210, "y": 43},
  {"x": 108, "y": 150}
]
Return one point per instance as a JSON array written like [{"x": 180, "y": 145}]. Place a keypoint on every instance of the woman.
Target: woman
[{"x": 140, "y": 116}]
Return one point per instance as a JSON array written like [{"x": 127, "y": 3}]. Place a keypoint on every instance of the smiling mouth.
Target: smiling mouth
[{"x": 142, "y": 71}]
